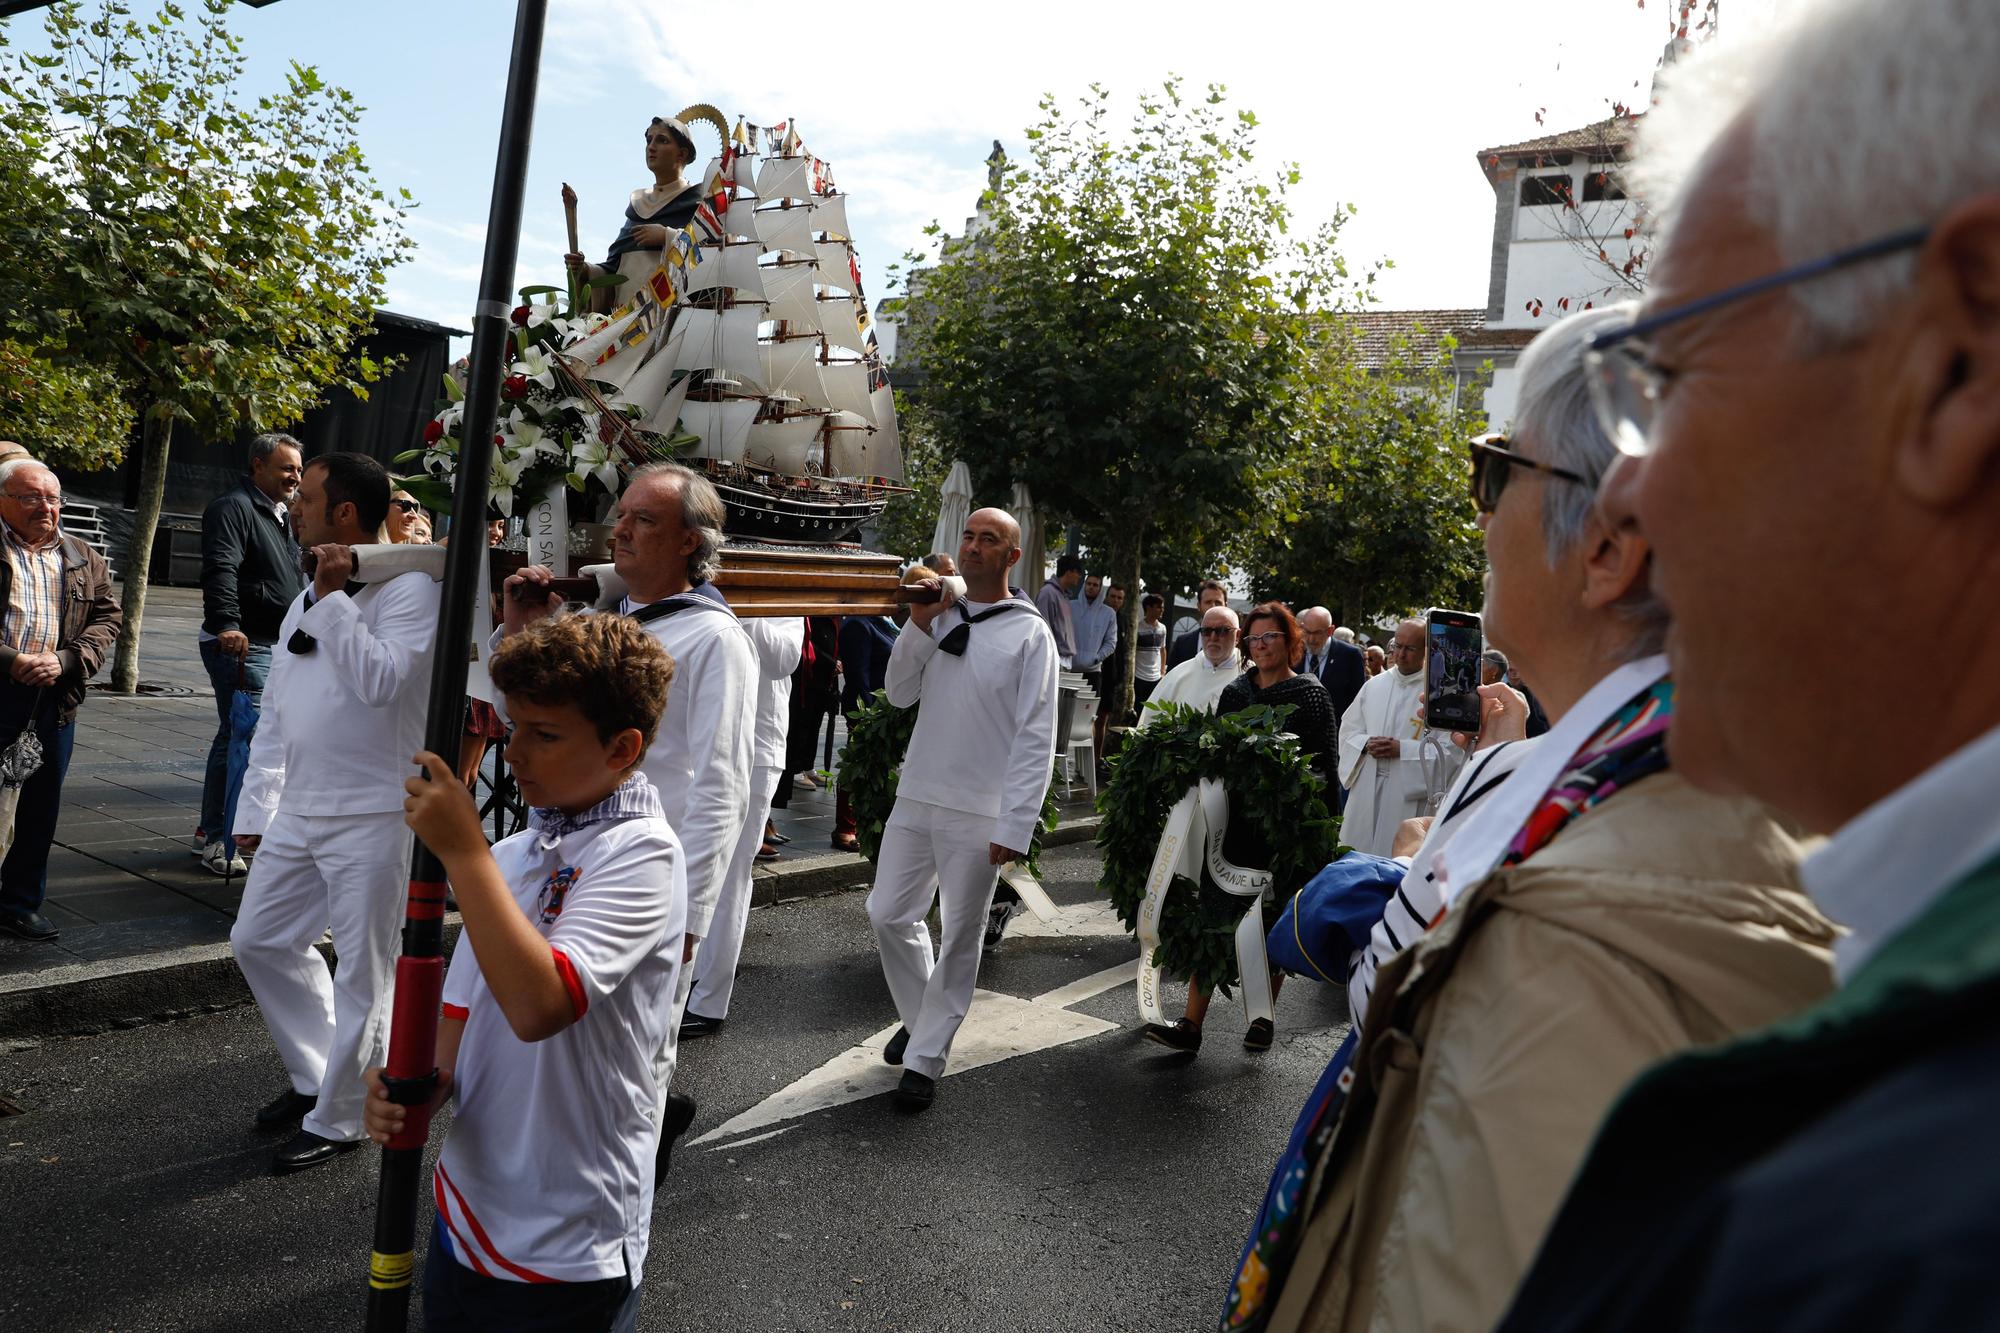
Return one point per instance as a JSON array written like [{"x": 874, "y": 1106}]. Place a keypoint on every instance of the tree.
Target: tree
[
  {"x": 213, "y": 254},
  {"x": 72, "y": 416},
  {"x": 1379, "y": 521},
  {"x": 905, "y": 527},
  {"x": 1131, "y": 333}
]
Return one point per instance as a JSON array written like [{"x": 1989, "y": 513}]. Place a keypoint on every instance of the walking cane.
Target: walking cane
[{"x": 411, "y": 1073}]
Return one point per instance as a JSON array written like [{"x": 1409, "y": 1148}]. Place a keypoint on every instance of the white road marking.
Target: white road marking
[
  {"x": 1078, "y": 919},
  {"x": 754, "y": 1138},
  {"x": 998, "y": 1027}
]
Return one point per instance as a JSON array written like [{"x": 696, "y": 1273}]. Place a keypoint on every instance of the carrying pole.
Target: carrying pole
[{"x": 411, "y": 1072}]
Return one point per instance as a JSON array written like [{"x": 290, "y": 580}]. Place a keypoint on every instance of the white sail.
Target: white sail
[
  {"x": 725, "y": 341},
  {"x": 847, "y": 388},
  {"x": 645, "y": 385},
  {"x": 886, "y": 449},
  {"x": 789, "y": 446},
  {"x": 733, "y": 266},
  {"x": 789, "y": 289},
  {"x": 723, "y": 426},
  {"x": 746, "y": 171},
  {"x": 841, "y": 324},
  {"x": 787, "y": 228},
  {"x": 830, "y": 215},
  {"x": 852, "y": 447},
  {"x": 597, "y": 344},
  {"x": 835, "y": 264},
  {"x": 661, "y": 420},
  {"x": 783, "y": 178},
  {"x": 741, "y": 219},
  {"x": 793, "y": 368}
]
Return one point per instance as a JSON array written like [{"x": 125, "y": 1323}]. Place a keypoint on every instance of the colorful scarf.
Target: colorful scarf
[{"x": 1630, "y": 746}]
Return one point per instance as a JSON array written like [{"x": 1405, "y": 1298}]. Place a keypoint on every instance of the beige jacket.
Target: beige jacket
[{"x": 1663, "y": 919}]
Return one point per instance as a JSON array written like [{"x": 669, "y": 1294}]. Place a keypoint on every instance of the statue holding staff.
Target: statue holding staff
[{"x": 667, "y": 205}]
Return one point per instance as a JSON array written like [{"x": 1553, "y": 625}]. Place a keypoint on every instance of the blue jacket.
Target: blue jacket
[{"x": 865, "y": 644}]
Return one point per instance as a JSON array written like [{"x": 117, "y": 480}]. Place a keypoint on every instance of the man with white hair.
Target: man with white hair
[
  {"x": 1381, "y": 756},
  {"x": 666, "y": 546},
  {"x": 58, "y": 621},
  {"x": 1337, "y": 664},
  {"x": 1811, "y": 397},
  {"x": 1201, "y": 679}
]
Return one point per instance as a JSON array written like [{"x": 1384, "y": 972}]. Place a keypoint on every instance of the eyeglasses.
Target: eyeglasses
[
  {"x": 1259, "y": 640},
  {"x": 1406, "y": 647},
  {"x": 1626, "y": 384},
  {"x": 407, "y": 506},
  {"x": 1491, "y": 462},
  {"x": 1215, "y": 631},
  {"x": 34, "y": 501}
]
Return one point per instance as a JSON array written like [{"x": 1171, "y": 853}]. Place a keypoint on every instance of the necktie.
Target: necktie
[
  {"x": 954, "y": 642},
  {"x": 301, "y": 642}
]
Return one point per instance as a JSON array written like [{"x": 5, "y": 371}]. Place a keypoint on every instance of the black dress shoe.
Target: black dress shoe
[
  {"x": 1259, "y": 1035},
  {"x": 1180, "y": 1034},
  {"x": 699, "y": 1025},
  {"x": 306, "y": 1150},
  {"x": 284, "y": 1108},
  {"x": 29, "y": 926},
  {"x": 674, "y": 1122},
  {"x": 915, "y": 1092},
  {"x": 893, "y": 1052}
]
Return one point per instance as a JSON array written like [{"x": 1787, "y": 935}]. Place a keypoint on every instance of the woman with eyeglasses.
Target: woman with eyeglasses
[
  {"x": 1271, "y": 639},
  {"x": 1576, "y": 912}
]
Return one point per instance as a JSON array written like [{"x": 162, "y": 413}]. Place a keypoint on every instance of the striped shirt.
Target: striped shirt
[{"x": 32, "y": 621}]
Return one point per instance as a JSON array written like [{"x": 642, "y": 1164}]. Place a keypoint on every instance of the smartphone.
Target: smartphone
[{"x": 1451, "y": 690}]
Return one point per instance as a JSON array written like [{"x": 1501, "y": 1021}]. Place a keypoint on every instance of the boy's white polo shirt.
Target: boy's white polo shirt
[{"x": 547, "y": 1173}]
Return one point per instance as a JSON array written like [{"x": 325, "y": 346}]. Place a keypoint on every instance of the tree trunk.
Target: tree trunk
[{"x": 159, "y": 430}]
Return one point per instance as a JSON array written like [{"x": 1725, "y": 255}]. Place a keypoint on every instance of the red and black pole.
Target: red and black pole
[{"x": 412, "y": 1067}]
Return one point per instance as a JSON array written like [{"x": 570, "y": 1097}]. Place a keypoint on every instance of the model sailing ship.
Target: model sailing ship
[{"x": 749, "y": 348}]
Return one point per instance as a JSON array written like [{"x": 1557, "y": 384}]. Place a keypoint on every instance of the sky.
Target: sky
[{"x": 1382, "y": 106}]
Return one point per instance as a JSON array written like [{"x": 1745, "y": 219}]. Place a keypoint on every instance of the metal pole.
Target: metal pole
[{"x": 412, "y": 1066}]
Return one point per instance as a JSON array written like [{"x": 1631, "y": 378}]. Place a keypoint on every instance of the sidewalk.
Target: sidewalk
[{"x": 145, "y": 928}]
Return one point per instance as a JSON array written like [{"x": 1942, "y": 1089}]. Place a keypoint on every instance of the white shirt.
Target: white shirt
[
  {"x": 547, "y": 1171},
  {"x": 779, "y": 643},
  {"x": 339, "y": 724},
  {"x": 1197, "y": 681},
  {"x": 1887, "y": 865},
  {"x": 701, "y": 758},
  {"x": 985, "y": 740}
]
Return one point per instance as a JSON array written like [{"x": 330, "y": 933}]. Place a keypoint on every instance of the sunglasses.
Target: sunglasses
[
  {"x": 407, "y": 506},
  {"x": 1215, "y": 631},
  {"x": 1491, "y": 462}
]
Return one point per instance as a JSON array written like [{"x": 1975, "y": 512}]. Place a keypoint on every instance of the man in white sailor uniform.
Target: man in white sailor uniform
[
  {"x": 666, "y": 545},
  {"x": 779, "y": 642},
  {"x": 322, "y": 806},
  {"x": 981, "y": 672}
]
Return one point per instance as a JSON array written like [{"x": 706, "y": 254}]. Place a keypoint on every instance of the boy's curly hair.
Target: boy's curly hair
[{"x": 606, "y": 665}]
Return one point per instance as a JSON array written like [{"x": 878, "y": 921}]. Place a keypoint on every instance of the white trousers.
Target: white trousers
[
  {"x": 347, "y": 873},
  {"x": 926, "y": 847},
  {"x": 715, "y": 961}
]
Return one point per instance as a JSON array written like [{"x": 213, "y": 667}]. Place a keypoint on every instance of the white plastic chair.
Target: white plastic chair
[{"x": 1081, "y": 739}]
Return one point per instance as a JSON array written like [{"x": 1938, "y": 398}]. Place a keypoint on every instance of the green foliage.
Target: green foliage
[
  {"x": 1379, "y": 521},
  {"x": 216, "y": 254},
  {"x": 1132, "y": 333},
  {"x": 878, "y": 735},
  {"x": 1270, "y": 783},
  {"x": 67, "y": 416}
]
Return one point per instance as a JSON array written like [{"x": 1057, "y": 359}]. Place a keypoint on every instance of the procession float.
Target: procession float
[{"x": 727, "y": 331}]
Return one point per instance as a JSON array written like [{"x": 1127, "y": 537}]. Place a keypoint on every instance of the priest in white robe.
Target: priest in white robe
[
  {"x": 1201, "y": 679},
  {"x": 1381, "y": 736}
]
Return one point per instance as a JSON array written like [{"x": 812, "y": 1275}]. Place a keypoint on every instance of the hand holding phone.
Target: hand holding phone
[{"x": 1451, "y": 687}]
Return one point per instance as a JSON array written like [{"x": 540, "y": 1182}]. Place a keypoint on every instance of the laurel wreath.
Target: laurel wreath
[
  {"x": 1270, "y": 783},
  {"x": 878, "y": 735}
]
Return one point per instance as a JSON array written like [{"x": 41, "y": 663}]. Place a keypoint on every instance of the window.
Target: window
[
  {"x": 1601, "y": 182},
  {"x": 1541, "y": 190}
]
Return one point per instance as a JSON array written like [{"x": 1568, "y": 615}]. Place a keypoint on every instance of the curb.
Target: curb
[{"x": 85, "y": 999}]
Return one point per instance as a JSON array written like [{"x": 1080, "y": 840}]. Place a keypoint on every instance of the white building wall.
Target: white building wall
[{"x": 1550, "y": 257}]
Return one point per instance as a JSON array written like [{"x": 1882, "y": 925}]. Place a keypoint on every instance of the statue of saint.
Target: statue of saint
[{"x": 668, "y": 204}]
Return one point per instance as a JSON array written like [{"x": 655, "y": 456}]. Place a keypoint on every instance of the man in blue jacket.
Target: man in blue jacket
[
  {"x": 249, "y": 577},
  {"x": 1810, "y": 398}
]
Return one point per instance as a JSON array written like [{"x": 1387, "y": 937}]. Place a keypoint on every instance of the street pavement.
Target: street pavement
[{"x": 1070, "y": 1176}]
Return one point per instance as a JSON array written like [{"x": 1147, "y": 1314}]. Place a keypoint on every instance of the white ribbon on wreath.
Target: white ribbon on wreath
[{"x": 1191, "y": 840}]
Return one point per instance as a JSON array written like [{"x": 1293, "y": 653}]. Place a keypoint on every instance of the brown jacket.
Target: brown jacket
[
  {"x": 1663, "y": 919},
  {"x": 90, "y": 623}
]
